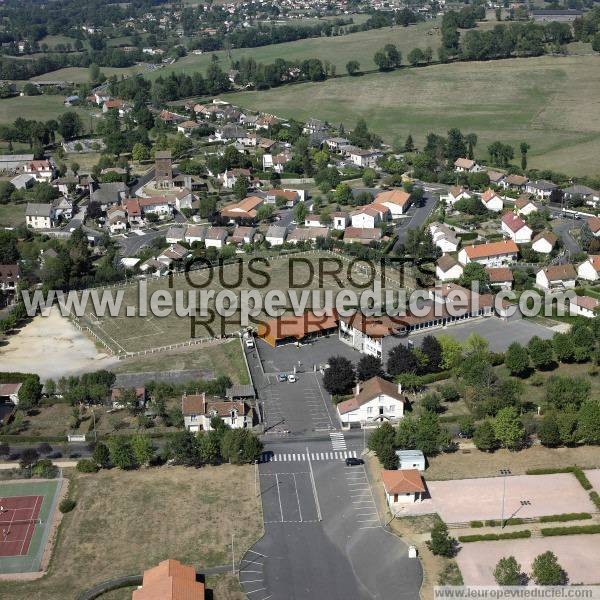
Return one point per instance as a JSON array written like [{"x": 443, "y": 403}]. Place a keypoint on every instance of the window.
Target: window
[{"x": 392, "y": 408}]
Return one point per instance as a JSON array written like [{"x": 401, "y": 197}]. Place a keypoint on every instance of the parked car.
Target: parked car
[
  {"x": 291, "y": 378},
  {"x": 282, "y": 377},
  {"x": 249, "y": 343},
  {"x": 354, "y": 462}
]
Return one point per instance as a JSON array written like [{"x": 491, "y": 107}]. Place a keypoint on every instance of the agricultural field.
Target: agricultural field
[
  {"x": 155, "y": 507},
  {"x": 12, "y": 215},
  {"x": 547, "y": 101},
  {"x": 137, "y": 333},
  {"x": 41, "y": 108},
  {"x": 82, "y": 75}
]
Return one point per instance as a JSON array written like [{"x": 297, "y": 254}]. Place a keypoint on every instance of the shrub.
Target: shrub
[
  {"x": 44, "y": 469},
  {"x": 565, "y": 517},
  {"x": 476, "y": 523},
  {"x": 85, "y": 465},
  {"x": 497, "y": 523},
  {"x": 549, "y": 471},
  {"x": 451, "y": 575},
  {"x": 595, "y": 498},
  {"x": 494, "y": 537},
  {"x": 67, "y": 505},
  {"x": 573, "y": 530},
  {"x": 583, "y": 480}
]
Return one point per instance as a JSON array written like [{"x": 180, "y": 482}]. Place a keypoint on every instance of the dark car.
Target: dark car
[
  {"x": 354, "y": 462},
  {"x": 282, "y": 377}
]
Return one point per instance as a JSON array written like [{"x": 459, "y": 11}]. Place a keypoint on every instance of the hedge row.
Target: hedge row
[
  {"x": 433, "y": 377},
  {"x": 16, "y": 377},
  {"x": 494, "y": 537},
  {"x": 565, "y": 517},
  {"x": 574, "y": 530},
  {"x": 577, "y": 471},
  {"x": 496, "y": 523},
  {"x": 595, "y": 498}
]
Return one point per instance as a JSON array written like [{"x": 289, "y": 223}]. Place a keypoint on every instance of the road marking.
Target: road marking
[
  {"x": 297, "y": 498},
  {"x": 251, "y": 580},
  {"x": 314, "y": 486},
  {"x": 371, "y": 527},
  {"x": 254, "y": 591},
  {"x": 279, "y": 496}
]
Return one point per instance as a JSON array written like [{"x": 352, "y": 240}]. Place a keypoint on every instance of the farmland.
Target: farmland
[
  {"x": 546, "y": 101},
  {"x": 35, "y": 107}
]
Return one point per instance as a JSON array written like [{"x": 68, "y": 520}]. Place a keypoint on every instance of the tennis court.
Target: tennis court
[{"x": 26, "y": 512}]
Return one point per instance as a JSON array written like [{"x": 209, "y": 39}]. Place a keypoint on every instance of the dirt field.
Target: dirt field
[
  {"x": 579, "y": 555},
  {"x": 483, "y": 464},
  {"x": 172, "y": 512},
  {"x": 52, "y": 347},
  {"x": 478, "y": 499}
]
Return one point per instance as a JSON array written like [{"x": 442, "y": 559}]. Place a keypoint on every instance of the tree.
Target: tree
[
  {"x": 388, "y": 458},
  {"x": 541, "y": 353},
  {"x": 142, "y": 449},
  {"x": 353, "y": 67},
  {"x": 508, "y": 428},
  {"x": 508, "y": 572},
  {"x": 432, "y": 349},
  {"x": 300, "y": 213},
  {"x": 409, "y": 145},
  {"x": 474, "y": 272},
  {"x": 562, "y": 392},
  {"x": 381, "y": 438},
  {"x": 430, "y": 438},
  {"x": 516, "y": 359},
  {"x": 29, "y": 457},
  {"x": 549, "y": 432},
  {"x": 69, "y": 125},
  {"x": 441, "y": 543},
  {"x": 588, "y": 429},
  {"x": 121, "y": 453},
  {"x": 183, "y": 447},
  {"x": 415, "y": 56},
  {"x": 101, "y": 455},
  {"x": 140, "y": 152},
  {"x": 264, "y": 212},
  {"x": 546, "y": 570},
  {"x": 251, "y": 449},
  {"x": 432, "y": 402},
  {"x": 368, "y": 366},
  {"x": 402, "y": 359},
  {"x": 406, "y": 433},
  {"x": 452, "y": 352},
  {"x": 524, "y": 148},
  {"x": 339, "y": 377},
  {"x": 484, "y": 437},
  {"x": 30, "y": 393}
]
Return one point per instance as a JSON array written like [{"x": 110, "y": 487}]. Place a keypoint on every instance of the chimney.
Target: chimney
[
  {"x": 204, "y": 402},
  {"x": 357, "y": 388},
  {"x": 399, "y": 388}
]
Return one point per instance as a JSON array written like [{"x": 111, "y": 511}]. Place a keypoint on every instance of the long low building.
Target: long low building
[{"x": 289, "y": 328}]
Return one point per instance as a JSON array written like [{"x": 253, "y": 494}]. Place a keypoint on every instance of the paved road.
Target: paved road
[
  {"x": 132, "y": 244},
  {"x": 416, "y": 217},
  {"x": 561, "y": 227},
  {"x": 324, "y": 536}
]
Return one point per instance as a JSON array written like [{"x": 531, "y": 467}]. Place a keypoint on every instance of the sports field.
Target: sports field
[
  {"x": 26, "y": 511},
  {"x": 136, "y": 333},
  {"x": 548, "y": 101}
]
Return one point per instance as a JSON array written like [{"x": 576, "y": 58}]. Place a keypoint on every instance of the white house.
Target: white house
[
  {"x": 443, "y": 237},
  {"x": 10, "y": 391},
  {"x": 175, "y": 234},
  {"x": 396, "y": 200},
  {"x": 369, "y": 216},
  {"x": 195, "y": 233},
  {"x": 492, "y": 254},
  {"x": 501, "y": 277},
  {"x": 340, "y": 220},
  {"x": 466, "y": 165},
  {"x": 589, "y": 195},
  {"x": 159, "y": 205},
  {"x": 525, "y": 206},
  {"x": 492, "y": 201},
  {"x": 590, "y": 269},
  {"x": 39, "y": 216},
  {"x": 454, "y": 195},
  {"x": 540, "y": 188},
  {"x": 229, "y": 177},
  {"x": 364, "y": 158},
  {"x": 313, "y": 220},
  {"x": 215, "y": 237},
  {"x": 198, "y": 413},
  {"x": 42, "y": 170},
  {"x": 447, "y": 269},
  {"x": 584, "y": 306},
  {"x": 404, "y": 486},
  {"x": 184, "y": 199},
  {"x": 544, "y": 242},
  {"x": 594, "y": 224},
  {"x": 276, "y": 235},
  {"x": 556, "y": 277},
  {"x": 374, "y": 402},
  {"x": 516, "y": 229},
  {"x": 117, "y": 219}
]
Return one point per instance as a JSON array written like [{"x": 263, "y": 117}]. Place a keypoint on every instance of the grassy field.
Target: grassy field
[
  {"x": 82, "y": 75},
  {"x": 547, "y": 101},
  {"x": 225, "y": 358},
  {"x": 41, "y": 108},
  {"x": 171, "y": 512},
  {"x": 132, "y": 334},
  {"x": 12, "y": 215}
]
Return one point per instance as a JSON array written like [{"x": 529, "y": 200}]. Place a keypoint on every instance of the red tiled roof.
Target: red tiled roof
[
  {"x": 405, "y": 481},
  {"x": 170, "y": 580},
  {"x": 370, "y": 389},
  {"x": 492, "y": 249},
  {"x": 513, "y": 222}
]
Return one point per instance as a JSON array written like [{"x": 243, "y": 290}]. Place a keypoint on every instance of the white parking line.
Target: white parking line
[
  {"x": 297, "y": 498},
  {"x": 279, "y": 496}
]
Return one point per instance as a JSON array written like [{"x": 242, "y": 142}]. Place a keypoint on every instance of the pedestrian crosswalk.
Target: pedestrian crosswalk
[
  {"x": 337, "y": 440},
  {"x": 303, "y": 456}
]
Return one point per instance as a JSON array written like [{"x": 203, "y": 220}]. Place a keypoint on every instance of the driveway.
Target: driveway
[
  {"x": 561, "y": 227},
  {"x": 416, "y": 217}
]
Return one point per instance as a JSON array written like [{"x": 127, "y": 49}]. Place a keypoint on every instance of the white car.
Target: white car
[
  {"x": 249, "y": 343},
  {"x": 291, "y": 378}
]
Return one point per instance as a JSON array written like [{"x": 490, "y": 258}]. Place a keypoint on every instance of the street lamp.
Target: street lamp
[{"x": 504, "y": 473}]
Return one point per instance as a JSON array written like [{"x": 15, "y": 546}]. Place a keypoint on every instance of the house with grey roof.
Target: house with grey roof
[
  {"x": 108, "y": 194},
  {"x": 39, "y": 216},
  {"x": 276, "y": 235}
]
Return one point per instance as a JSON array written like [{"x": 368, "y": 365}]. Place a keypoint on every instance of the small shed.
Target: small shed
[
  {"x": 410, "y": 459},
  {"x": 240, "y": 392}
]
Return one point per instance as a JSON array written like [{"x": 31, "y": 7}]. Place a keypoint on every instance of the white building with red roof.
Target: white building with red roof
[
  {"x": 584, "y": 306},
  {"x": 396, "y": 200},
  {"x": 404, "y": 486},
  {"x": 374, "y": 401},
  {"x": 369, "y": 216},
  {"x": 590, "y": 269},
  {"x": 492, "y": 201},
  {"x": 516, "y": 229},
  {"x": 41, "y": 170},
  {"x": 198, "y": 411}
]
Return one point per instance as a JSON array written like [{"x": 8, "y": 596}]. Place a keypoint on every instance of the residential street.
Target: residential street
[{"x": 561, "y": 227}]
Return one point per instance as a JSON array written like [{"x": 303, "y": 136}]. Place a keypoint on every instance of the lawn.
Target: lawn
[
  {"x": 133, "y": 334},
  {"x": 222, "y": 358},
  {"x": 12, "y": 215},
  {"x": 169, "y": 512},
  {"x": 547, "y": 101},
  {"x": 82, "y": 75},
  {"x": 41, "y": 108}
]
